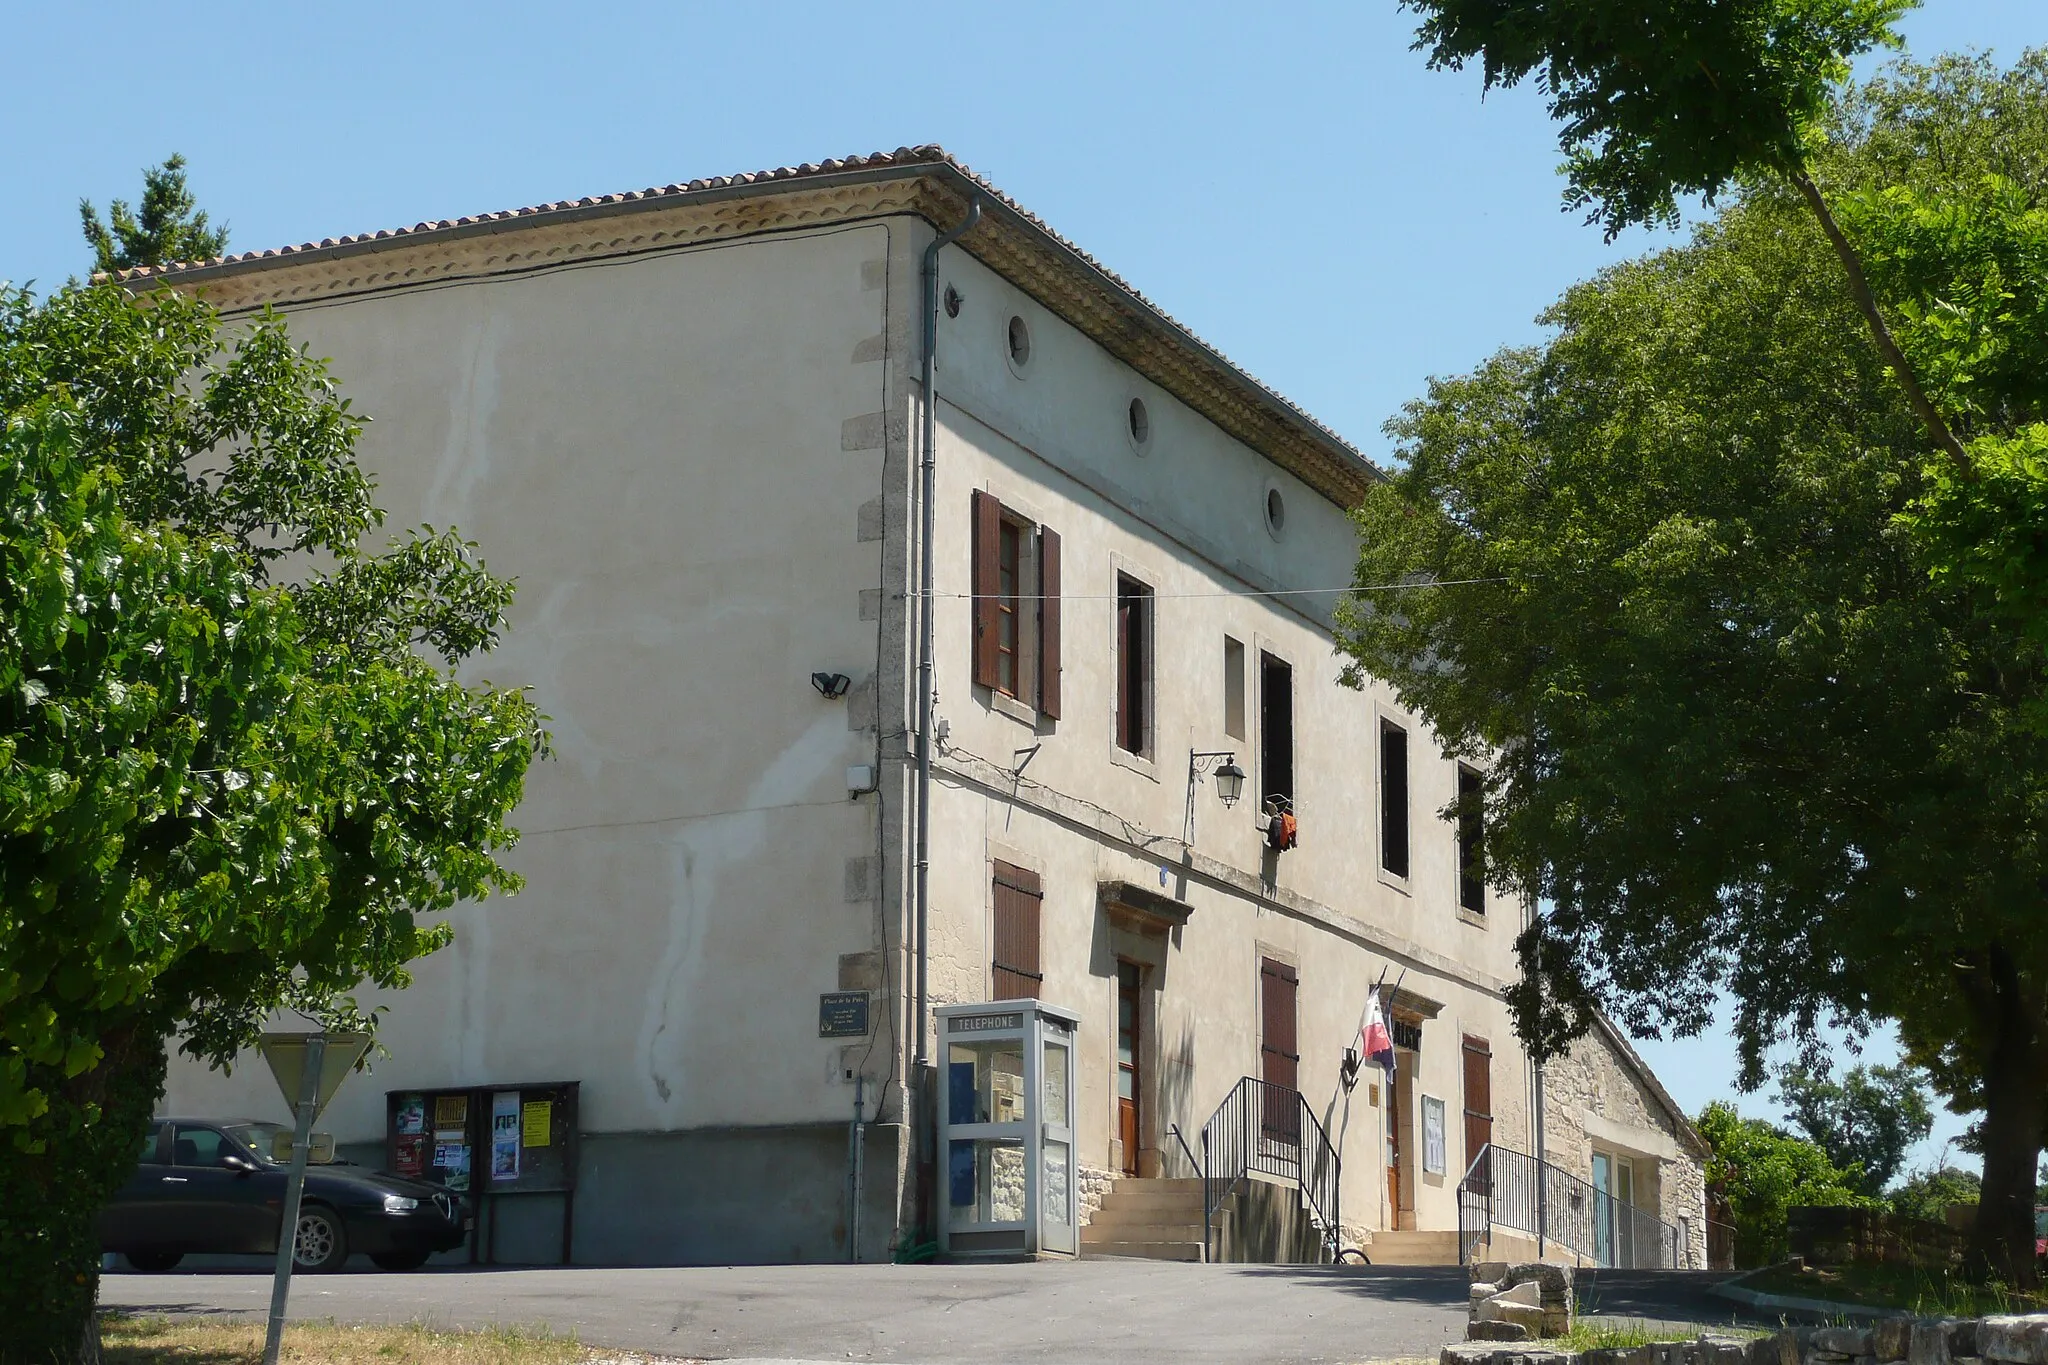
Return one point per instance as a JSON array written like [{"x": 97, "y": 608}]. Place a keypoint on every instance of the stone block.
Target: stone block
[
  {"x": 1525, "y": 1316},
  {"x": 1496, "y": 1331},
  {"x": 1480, "y": 1291},
  {"x": 1928, "y": 1343},
  {"x": 1891, "y": 1338},
  {"x": 1814, "y": 1356},
  {"x": 1554, "y": 1278},
  {"x": 1490, "y": 1272},
  {"x": 1963, "y": 1337},
  {"x": 1465, "y": 1353},
  {"x": 1556, "y": 1321},
  {"x": 1525, "y": 1292},
  {"x": 1846, "y": 1341},
  {"x": 1725, "y": 1350},
  {"x": 2018, "y": 1339},
  {"x": 1767, "y": 1350}
]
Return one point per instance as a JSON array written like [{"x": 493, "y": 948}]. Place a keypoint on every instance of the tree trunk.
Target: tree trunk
[
  {"x": 2015, "y": 1103},
  {"x": 1881, "y": 333},
  {"x": 50, "y": 1200}
]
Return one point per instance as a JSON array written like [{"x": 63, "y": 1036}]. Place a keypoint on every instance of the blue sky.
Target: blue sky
[{"x": 1287, "y": 180}]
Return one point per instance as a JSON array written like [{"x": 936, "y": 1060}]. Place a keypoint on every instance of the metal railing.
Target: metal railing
[
  {"x": 1510, "y": 1189},
  {"x": 1268, "y": 1130}
]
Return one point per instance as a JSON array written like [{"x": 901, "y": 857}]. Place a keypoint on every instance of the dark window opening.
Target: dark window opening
[
  {"x": 1393, "y": 798},
  {"x": 1276, "y": 729},
  {"x": 1009, "y": 556},
  {"x": 1471, "y": 841},
  {"x": 1133, "y": 664}
]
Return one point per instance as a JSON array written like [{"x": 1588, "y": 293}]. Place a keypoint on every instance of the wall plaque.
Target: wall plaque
[{"x": 843, "y": 1014}]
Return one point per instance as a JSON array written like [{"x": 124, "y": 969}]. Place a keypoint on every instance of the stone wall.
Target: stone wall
[
  {"x": 1095, "y": 1184},
  {"x": 1890, "y": 1341},
  {"x": 1597, "y": 1097}
]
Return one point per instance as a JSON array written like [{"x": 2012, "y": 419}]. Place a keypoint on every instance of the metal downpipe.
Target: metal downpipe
[{"x": 921, "y": 896}]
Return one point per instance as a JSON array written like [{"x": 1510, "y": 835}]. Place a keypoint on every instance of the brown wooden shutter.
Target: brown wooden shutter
[
  {"x": 1049, "y": 622},
  {"x": 1279, "y": 1057},
  {"x": 1478, "y": 1104},
  {"x": 1017, "y": 974},
  {"x": 988, "y": 520}
]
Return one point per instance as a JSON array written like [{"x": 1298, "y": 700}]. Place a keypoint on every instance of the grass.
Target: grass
[
  {"x": 1624, "y": 1334},
  {"x": 1927, "y": 1293},
  {"x": 131, "y": 1340}
]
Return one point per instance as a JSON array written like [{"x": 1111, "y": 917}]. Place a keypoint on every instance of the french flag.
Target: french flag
[{"x": 1379, "y": 1044}]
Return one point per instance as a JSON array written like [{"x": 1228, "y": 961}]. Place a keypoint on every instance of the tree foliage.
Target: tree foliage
[
  {"x": 1865, "y": 1121},
  {"x": 1737, "y": 734},
  {"x": 168, "y": 227},
  {"x": 1928, "y": 1194},
  {"x": 1663, "y": 98},
  {"x": 236, "y": 765},
  {"x": 1766, "y": 1173}
]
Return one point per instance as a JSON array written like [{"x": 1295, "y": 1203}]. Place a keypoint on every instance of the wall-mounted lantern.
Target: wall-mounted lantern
[{"x": 1222, "y": 764}]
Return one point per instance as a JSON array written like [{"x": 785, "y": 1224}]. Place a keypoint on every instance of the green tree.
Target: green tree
[
  {"x": 1766, "y": 1173},
  {"x": 224, "y": 791},
  {"x": 168, "y": 227},
  {"x": 1736, "y": 735},
  {"x": 1864, "y": 1121},
  {"x": 1928, "y": 1194}
]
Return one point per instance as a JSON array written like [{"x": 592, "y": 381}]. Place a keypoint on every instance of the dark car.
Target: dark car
[{"x": 211, "y": 1185}]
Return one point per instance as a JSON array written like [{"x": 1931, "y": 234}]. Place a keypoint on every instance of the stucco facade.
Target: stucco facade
[{"x": 686, "y": 423}]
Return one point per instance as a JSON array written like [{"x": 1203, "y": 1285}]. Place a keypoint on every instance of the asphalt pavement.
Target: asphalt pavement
[{"x": 1141, "y": 1312}]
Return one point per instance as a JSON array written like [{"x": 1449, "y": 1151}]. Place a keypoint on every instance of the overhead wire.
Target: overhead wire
[{"x": 1156, "y": 595}]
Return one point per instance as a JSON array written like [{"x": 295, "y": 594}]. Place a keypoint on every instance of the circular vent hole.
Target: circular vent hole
[
  {"x": 1141, "y": 422},
  {"x": 1020, "y": 343},
  {"x": 1276, "y": 511}
]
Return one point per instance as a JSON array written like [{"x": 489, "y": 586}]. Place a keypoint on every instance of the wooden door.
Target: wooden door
[
  {"x": 1396, "y": 1106},
  {"x": 1279, "y": 1057},
  {"x": 1478, "y": 1108},
  {"x": 1129, "y": 1082}
]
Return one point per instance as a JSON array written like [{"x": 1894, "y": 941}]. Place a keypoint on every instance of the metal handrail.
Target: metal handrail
[
  {"x": 1181, "y": 1138},
  {"x": 1506, "y": 1188},
  {"x": 1268, "y": 1129}
]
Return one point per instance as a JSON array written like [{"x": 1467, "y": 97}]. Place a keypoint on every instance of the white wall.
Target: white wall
[{"x": 657, "y": 451}]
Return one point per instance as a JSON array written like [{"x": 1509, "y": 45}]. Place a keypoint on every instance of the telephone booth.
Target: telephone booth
[{"x": 1006, "y": 1130}]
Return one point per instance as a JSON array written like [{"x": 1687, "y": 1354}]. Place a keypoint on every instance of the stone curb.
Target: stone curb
[{"x": 1733, "y": 1291}]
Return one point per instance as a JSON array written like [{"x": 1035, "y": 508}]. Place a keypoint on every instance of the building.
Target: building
[{"x": 688, "y": 421}]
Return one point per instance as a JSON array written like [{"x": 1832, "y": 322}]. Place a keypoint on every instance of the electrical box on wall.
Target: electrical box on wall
[{"x": 860, "y": 778}]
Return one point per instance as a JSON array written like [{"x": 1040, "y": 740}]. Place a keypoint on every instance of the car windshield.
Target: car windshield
[{"x": 257, "y": 1138}]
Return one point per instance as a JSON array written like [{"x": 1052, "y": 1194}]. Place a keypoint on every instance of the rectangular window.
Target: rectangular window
[
  {"x": 1233, "y": 687},
  {"x": 1276, "y": 729},
  {"x": 1016, "y": 578},
  {"x": 1393, "y": 798},
  {"x": 1478, "y": 1055},
  {"x": 1015, "y": 971},
  {"x": 1133, "y": 664},
  {"x": 1471, "y": 841}
]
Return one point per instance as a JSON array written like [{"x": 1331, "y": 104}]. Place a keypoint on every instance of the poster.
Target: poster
[
  {"x": 539, "y": 1126},
  {"x": 505, "y": 1135},
  {"x": 451, "y": 1118},
  {"x": 452, "y": 1160},
  {"x": 412, "y": 1114},
  {"x": 1432, "y": 1135},
  {"x": 411, "y": 1155}
]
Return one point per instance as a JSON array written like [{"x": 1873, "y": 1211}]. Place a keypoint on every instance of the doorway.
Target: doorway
[
  {"x": 1613, "y": 1210},
  {"x": 1279, "y": 1052},
  {"x": 1129, "y": 1051}
]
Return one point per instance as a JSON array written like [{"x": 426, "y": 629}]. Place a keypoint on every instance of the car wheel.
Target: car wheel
[
  {"x": 399, "y": 1260},
  {"x": 153, "y": 1262},
  {"x": 322, "y": 1242}
]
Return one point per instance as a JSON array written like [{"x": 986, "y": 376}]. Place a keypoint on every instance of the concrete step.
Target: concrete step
[
  {"x": 1413, "y": 1248},
  {"x": 1184, "y": 1185},
  {"x": 1120, "y": 1216},
  {"x": 1142, "y": 1232},
  {"x": 1121, "y": 1197},
  {"x": 1149, "y": 1251}
]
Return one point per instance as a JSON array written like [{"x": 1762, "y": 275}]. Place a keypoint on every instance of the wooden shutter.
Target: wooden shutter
[
  {"x": 1478, "y": 1103},
  {"x": 1017, "y": 974},
  {"x": 1049, "y": 622},
  {"x": 988, "y": 520},
  {"x": 1279, "y": 1059}
]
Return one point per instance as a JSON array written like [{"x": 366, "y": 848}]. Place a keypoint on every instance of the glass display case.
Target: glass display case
[{"x": 1006, "y": 1129}]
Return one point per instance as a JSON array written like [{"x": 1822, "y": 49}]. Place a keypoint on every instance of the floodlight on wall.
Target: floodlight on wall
[
  {"x": 831, "y": 686},
  {"x": 1222, "y": 763}
]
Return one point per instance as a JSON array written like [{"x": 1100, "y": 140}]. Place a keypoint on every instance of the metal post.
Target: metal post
[{"x": 288, "y": 1230}]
